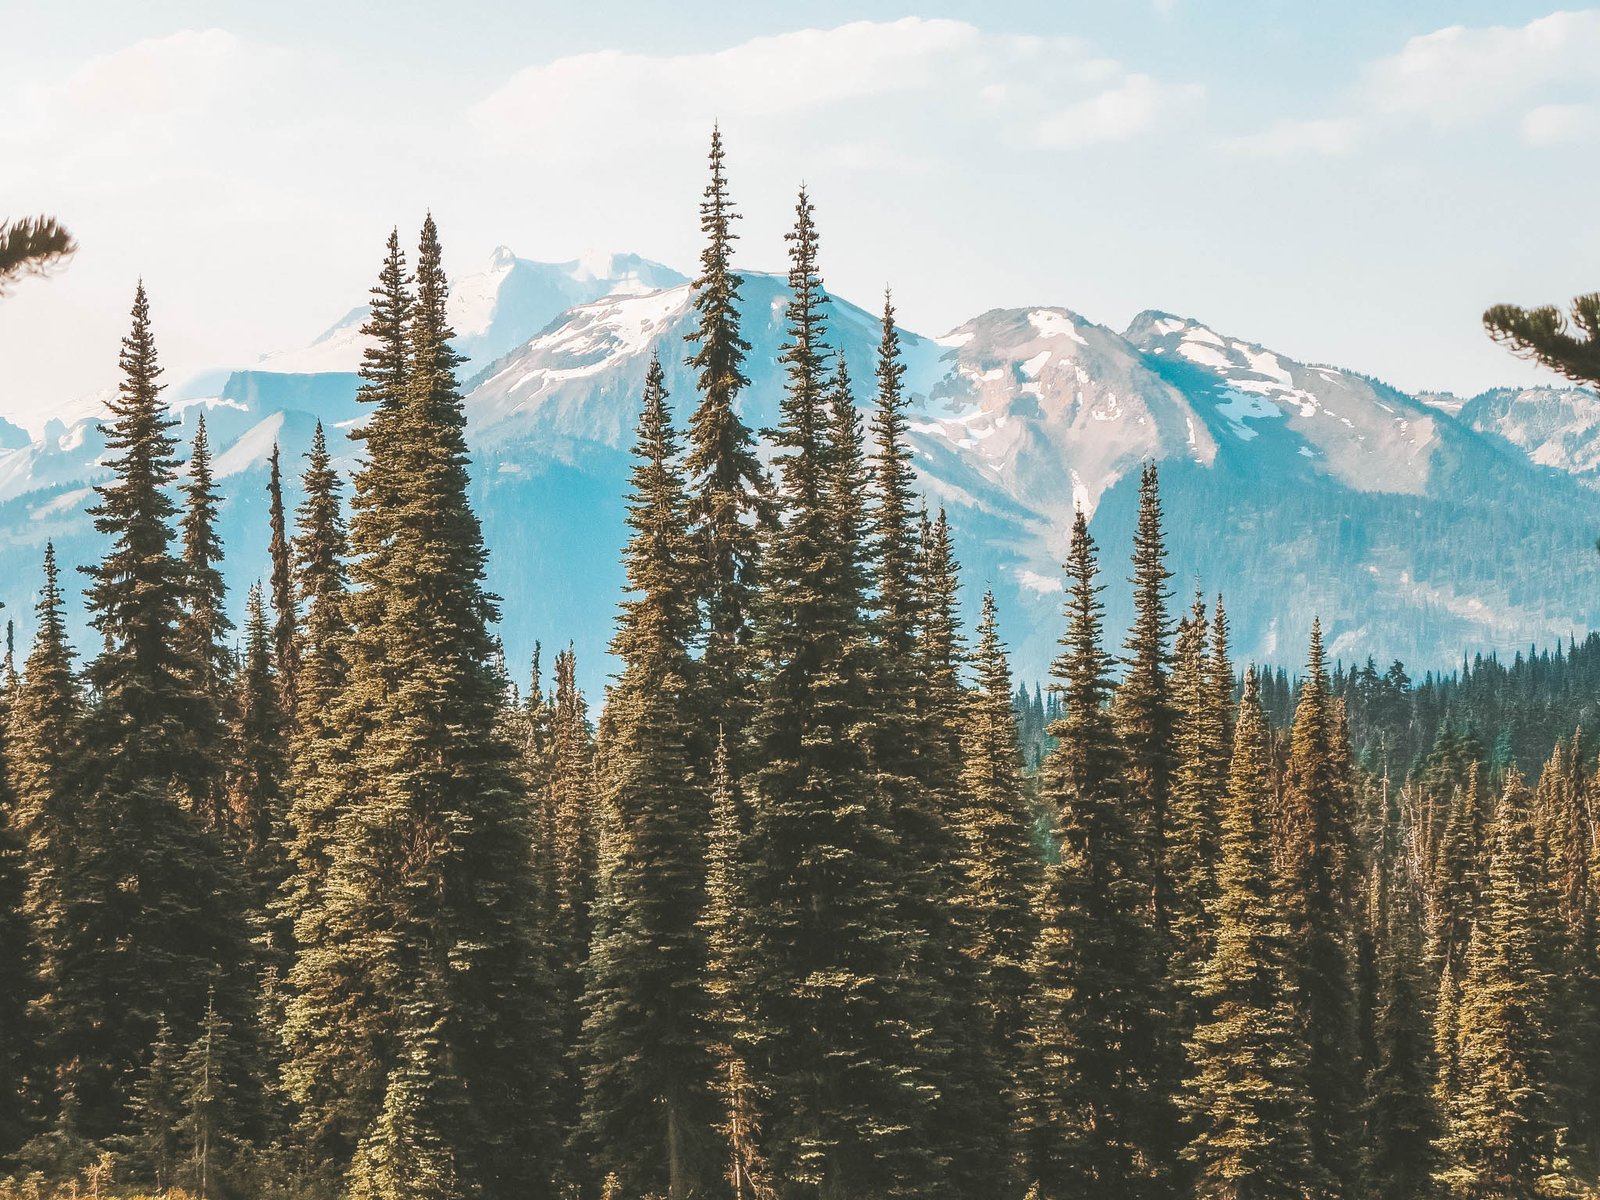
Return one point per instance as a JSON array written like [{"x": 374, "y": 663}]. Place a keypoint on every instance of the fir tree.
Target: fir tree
[
  {"x": 723, "y": 922},
  {"x": 1193, "y": 842},
  {"x": 1316, "y": 864},
  {"x": 158, "y": 1110},
  {"x": 409, "y": 1153},
  {"x": 42, "y": 743},
  {"x": 571, "y": 806},
  {"x": 1000, "y": 867},
  {"x": 1248, "y": 1099},
  {"x": 203, "y": 628},
  {"x": 1400, "y": 1123},
  {"x": 1500, "y": 1135},
  {"x": 126, "y": 955},
  {"x": 285, "y": 641},
  {"x": 1093, "y": 1115},
  {"x": 208, "y": 1125},
  {"x": 1143, "y": 704},
  {"x": 727, "y": 489},
  {"x": 256, "y": 801},
  {"x": 649, "y": 1113},
  {"x": 431, "y": 900},
  {"x": 827, "y": 1036}
]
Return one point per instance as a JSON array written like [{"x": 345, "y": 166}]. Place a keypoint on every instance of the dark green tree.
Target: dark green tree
[
  {"x": 127, "y": 955},
  {"x": 32, "y": 246},
  {"x": 1093, "y": 1111},
  {"x": 728, "y": 497},
  {"x": 1247, "y": 1097},
  {"x": 1001, "y": 867},
  {"x": 431, "y": 899},
  {"x": 203, "y": 629},
  {"x": 1500, "y": 1132},
  {"x": 828, "y": 1035},
  {"x": 649, "y": 1115},
  {"x": 285, "y": 638},
  {"x": 1545, "y": 335},
  {"x": 1317, "y": 865}
]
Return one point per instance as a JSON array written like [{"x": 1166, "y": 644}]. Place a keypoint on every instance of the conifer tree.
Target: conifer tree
[
  {"x": 256, "y": 804},
  {"x": 828, "y": 1035},
  {"x": 1500, "y": 1134},
  {"x": 722, "y": 920},
  {"x": 1143, "y": 705},
  {"x": 157, "y": 1110},
  {"x": 1316, "y": 864},
  {"x": 17, "y": 966},
  {"x": 316, "y": 754},
  {"x": 1247, "y": 1097},
  {"x": 728, "y": 491},
  {"x": 1000, "y": 865},
  {"x": 914, "y": 748},
  {"x": 649, "y": 1112},
  {"x": 128, "y": 955},
  {"x": 285, "y": 640},
  {"x": 203, "y": 629},
  {"x": 208, "y": 1126},
  {"x": 1193, "y": 842},
  {"x": 571, "y": 817},
  {"x": 1092, "y": 1110},
  {"x": 42, "y": 737},
  {"x": 943, "y": 650},
  {"x": 409, "y": 1153},
  {"x": 433, "y": 838},
  {"x": 1400, "y": 1121}
]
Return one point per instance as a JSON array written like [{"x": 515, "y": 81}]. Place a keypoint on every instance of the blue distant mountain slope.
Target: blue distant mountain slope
[{"x": 1294, "y": 489}]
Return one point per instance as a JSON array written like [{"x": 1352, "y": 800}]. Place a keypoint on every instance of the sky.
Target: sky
[{"x": 1349, "y": 184}]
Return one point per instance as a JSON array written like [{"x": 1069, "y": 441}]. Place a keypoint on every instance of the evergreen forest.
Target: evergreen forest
[{"x": 817, "y": 902}]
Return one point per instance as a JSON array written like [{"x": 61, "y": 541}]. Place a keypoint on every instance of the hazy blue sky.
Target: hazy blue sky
[{"x": 1348, "y": 183}]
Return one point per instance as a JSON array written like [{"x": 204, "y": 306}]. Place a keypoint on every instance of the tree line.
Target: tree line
[{"x": 346, "y": 913}]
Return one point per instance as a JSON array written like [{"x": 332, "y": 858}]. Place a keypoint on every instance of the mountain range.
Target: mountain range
[{"x": 1420, "y": 527}]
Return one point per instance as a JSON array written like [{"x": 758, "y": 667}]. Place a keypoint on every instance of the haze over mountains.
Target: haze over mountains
[{"x": 1417, "y": 527}]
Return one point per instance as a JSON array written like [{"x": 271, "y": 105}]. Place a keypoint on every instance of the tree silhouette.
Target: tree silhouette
[
  {"x": 31, "y": 246},
  {"x": 1546, "y": 335}
]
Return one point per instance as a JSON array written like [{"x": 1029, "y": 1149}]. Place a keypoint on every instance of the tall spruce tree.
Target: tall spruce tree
[
  {"x": 316, "y": 758},
  {"x": 1001, "y": 868},
  {"x": 1316, "y": 864},
  {"x": 256, "y": 801},
  {"x": 728, "y": 497},
  {"x": 1500, "y": 1134},
  {"x": 285, "y": 640},
  {"x": 431, "y": 900},
  {"x": 915, "y": 750},
  {"x": 1400, "y": 1119},
  {"x": 128, "y": 954},
  {"x": 1143, "y": 705},
  {"x": 203, "y": 629},
  {"x": 829, "y": 1033},
  {"x": 649, "y": 1115},
  {"x": 43, "y": 737},
  {"x": 723, "y": 920},
  {"x": 1247, "y": 1097},
  {"x": 1093, "y": 1112},
  {"x": 1192, "y": 846}
]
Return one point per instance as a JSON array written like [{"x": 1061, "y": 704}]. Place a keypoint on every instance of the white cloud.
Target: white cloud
[
  {"x": 1049, "y": 91},
  {"x": 1131, "y": 108},
  {"x": 1283, "y": 139},
  {"x": 1557, "y": 124},
  {"x": 1458, "y": 75}
]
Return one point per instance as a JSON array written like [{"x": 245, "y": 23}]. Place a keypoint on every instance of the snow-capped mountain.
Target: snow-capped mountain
[
  {"x": 492, "y": 310},
  {"x": 1297, "y": 490},
  {"x": 1555, "y": 427}
]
